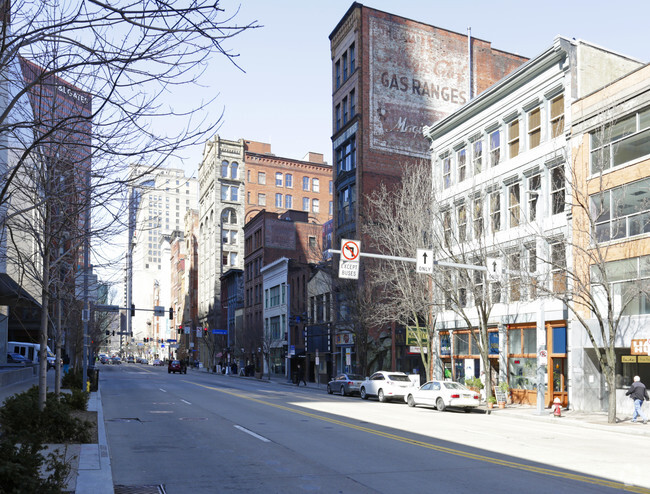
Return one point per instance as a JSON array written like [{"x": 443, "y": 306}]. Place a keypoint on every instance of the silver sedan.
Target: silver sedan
[
  {"x": 443, "y": 394},
  {"x": 346, "y": 384}
]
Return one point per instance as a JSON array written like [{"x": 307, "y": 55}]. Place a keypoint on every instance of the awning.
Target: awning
[{"x": 12, "y": 294}]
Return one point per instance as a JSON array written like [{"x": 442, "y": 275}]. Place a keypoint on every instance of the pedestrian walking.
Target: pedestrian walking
[
  {"x": 301, "y": 376},
  {"x": 638, "y": 393}
]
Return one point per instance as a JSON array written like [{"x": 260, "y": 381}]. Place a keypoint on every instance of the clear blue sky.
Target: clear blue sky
[{"x": 284, "y": 96}]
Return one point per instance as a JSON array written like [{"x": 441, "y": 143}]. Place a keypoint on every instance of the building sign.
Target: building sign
[
  {"x": 412, "y": 336},
  {"x": 628, "y": 359},
  {"x": 416, "y": 79},
  {"x": 343, "y": 339},
  {"x": 640, "y": 347}
]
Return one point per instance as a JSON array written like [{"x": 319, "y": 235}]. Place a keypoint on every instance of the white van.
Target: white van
[{"x": 30, "y": 350}]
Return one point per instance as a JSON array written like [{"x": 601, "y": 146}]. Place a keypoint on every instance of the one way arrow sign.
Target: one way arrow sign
[{"x": 424, "y": 261}]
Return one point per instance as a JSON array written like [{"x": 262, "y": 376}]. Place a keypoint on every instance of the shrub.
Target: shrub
[
  {"x": 21, "y": 420},
  {"x": 72, "y": 380},
  {"x": 473, "y": 382},
  {"x": 21, "y": 467},
  {"x": 76, "y": 400}
]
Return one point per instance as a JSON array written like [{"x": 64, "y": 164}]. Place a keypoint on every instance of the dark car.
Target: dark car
[
  {"x": 17, "y": 358},
  {"x": 176, "y": 366}
]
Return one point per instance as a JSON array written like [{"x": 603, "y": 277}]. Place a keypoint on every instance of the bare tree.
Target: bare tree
[
  {"x": 401, "y": 222},
  {"x": 82, "y": 85}
]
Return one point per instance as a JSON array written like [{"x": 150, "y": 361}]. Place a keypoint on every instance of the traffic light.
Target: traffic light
[
  {"x": 171, "y": 313},
  {"x": 113, "y": 332},
  {"x": 132, "y": 310},
  {"x": 108, "y": 333}
]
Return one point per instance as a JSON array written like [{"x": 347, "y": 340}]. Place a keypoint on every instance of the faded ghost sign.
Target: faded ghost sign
[{"x": 415, "y": 80}]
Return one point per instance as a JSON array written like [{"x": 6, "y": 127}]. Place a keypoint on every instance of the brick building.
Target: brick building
[
  {"x": 391, "y": 76},
  {"x": 238, "y": 179},
  {"x": 269, "y": 237}
]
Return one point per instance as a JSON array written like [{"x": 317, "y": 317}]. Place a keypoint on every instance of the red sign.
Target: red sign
[{"x": 350, "y": 250}]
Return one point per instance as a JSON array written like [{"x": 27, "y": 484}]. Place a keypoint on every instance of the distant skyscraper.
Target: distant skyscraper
[{"x": 160, "y": 200}]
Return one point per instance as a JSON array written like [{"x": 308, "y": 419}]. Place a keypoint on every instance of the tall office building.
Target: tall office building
[{"x": 160, "y": 200}]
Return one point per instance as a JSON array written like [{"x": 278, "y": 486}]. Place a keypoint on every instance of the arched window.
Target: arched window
[
  {"x": 234, "y": 169},
  {"x": 224, "y": 169}
]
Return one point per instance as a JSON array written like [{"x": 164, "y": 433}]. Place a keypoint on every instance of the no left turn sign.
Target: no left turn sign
[{"x": 350, "y": 249}]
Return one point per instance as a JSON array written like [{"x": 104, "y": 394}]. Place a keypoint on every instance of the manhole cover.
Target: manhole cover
[{"x": 139, "y": 489}]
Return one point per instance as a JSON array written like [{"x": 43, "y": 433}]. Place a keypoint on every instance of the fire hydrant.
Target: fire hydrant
[{"x": 557, "y": 408}]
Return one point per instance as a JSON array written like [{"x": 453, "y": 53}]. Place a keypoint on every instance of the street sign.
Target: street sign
[
  {"x": 350, "y": 249},
  {"x": 219, "y": 331},
  {"x": 158, "y": 311},
  {"x": 495, "y": 268},
  {"x": 349, "y": 269},
  {"x": 424, "y": 261},
  {"x": 107, "y": 308}
]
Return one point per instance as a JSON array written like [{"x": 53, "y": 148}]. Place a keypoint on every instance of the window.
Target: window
[
  {"x": 461, "y": 219},
  {"x": 261, "y": 199},
  {"x": 620, "y": 142},
  {"x": 353, "y": 103},
  {"x": 353, "y": 60},
  {"x": 534, "y": 189},
  {"x": 558, "y": 267},
  {"x": 278, "y": 179},
  {"x": 478, "y": 217},
  {"x": 338, "y": 117},
  {"x": 315, "y": 185},
  {"x": 305, "y": 183},
  {"x": 312, "y": 242},
  {"x": 288, "y": 180},
  {"x": 514, "y": 278},
  {"x": 446, "y": 227},
  {"x": 234, "y": 170},
  {"x": 495, "y": 211},
  {"x": 278, "y": 200},
  {"x": 513, "y": 138},
  {"x": 344, "y": 105},
  {"x": 261, "y": 178},
  {"x": 513, "y": 205},
  {"x": 495, "y": 147},
  {"x": 557, "y": 190},
  {"x": 446, "y": 172},
  {"x": 248, "y": 175},
  {"x": 531, "y": 259},
  {"x": 331, "y": 187},
  {"x": 627, "y": 281},
  {"x": 622, "y": 211},
  {"x": 346, "y": 156},
  {"x": 305, "y": 203},
  {"x": 331, "y": 208},
  {"x": 229, "y": 192},
  {"x": 337, "y": 73},
  {"x": 461, "y": 160},
  {"x": 314, "y": 205},
  {"x": 288, "y": 201},
  {"x": 224, "y": 169},
  {"x": 344, "y": 63},
  {"x": 557, "y": 116},
  {"x": 477, "y": 156},
  {"x": 534, "y": 128},
  {"x": 346, "y": 204}
]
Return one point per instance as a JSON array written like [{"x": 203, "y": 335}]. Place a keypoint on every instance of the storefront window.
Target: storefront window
[
  {"x": 493, "y": 338},
  {"x": 530, "y": 340},
  {"x": 445, "y": 347},
  {"x": 461, "y": 343},
  {"x": 514, "y": 341},
  {"x": 522, "y": 373}
]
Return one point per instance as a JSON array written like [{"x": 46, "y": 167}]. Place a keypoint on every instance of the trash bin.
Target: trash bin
[{"x": 93, "y": 377}]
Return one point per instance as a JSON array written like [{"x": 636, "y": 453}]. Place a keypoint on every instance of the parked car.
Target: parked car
[
  {"x": 17, "y": 358},
  {"x": 130, "y": 359},
  {"x": 104, "y": 359},
  {"x": 143, "y": 360},
  {"x": 386, "y": 386},
  {"x": 116, "y": 360},
  {"x": 443, "y": 394},
  {"x": 158, "y": 362},
  {"x": 346, "y": 384},
  {"x": 176, "y": 366}
]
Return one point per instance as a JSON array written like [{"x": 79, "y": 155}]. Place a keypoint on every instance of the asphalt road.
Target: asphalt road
[{"x": 206, "y": 433}]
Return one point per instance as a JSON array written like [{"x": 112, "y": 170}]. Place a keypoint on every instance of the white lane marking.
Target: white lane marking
[
  {"x": 261, "y": 438},
  {"x": 185, "y": 401},
  {"x": 162, "y": 390}
]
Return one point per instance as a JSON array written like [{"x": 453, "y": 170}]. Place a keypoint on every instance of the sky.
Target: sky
[{"x": 283, "y": 95}]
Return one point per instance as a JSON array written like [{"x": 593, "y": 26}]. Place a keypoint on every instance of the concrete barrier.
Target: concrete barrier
[{"x": 9, "y": 376}]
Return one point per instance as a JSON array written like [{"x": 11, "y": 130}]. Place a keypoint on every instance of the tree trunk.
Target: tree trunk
[
  {"x": 610, "y": 378},
  {"x": 42, "y": 353}
]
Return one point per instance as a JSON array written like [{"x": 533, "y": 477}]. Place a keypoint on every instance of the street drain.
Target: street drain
[
  {"x": 139, "y": 489},
  {"x": 127, "y": 419}
]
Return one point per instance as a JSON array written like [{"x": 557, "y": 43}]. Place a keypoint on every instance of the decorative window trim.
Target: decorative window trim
[
  {"x": 531, "y": 171},
  {"x": 511, "y": 116},
  {"x": 511, "y": 180},
  {"x": 553, "y": 162},
  {"x": 552, "y": 93},
  {"x": 492, "y": 127},
  {"x": 458, "y": 146},
  {"x": 475, "y": 137},
  {"x": 531, "y": 105}
]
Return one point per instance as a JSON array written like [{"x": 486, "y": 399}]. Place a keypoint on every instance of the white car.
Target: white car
[
  {"x": 443, "y": 394},
  {"x": 386, "y": 385}
]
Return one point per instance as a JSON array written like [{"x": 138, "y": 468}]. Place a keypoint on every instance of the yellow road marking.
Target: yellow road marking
[{"x": 441, "y": 449}]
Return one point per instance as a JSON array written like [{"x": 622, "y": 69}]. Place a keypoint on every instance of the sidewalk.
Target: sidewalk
[{"x": 90, "y": 463}]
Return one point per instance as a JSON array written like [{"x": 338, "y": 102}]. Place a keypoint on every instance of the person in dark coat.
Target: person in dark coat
[
  {"x": 301, "y": 376},
  {"x": 638, "y": 393}
]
